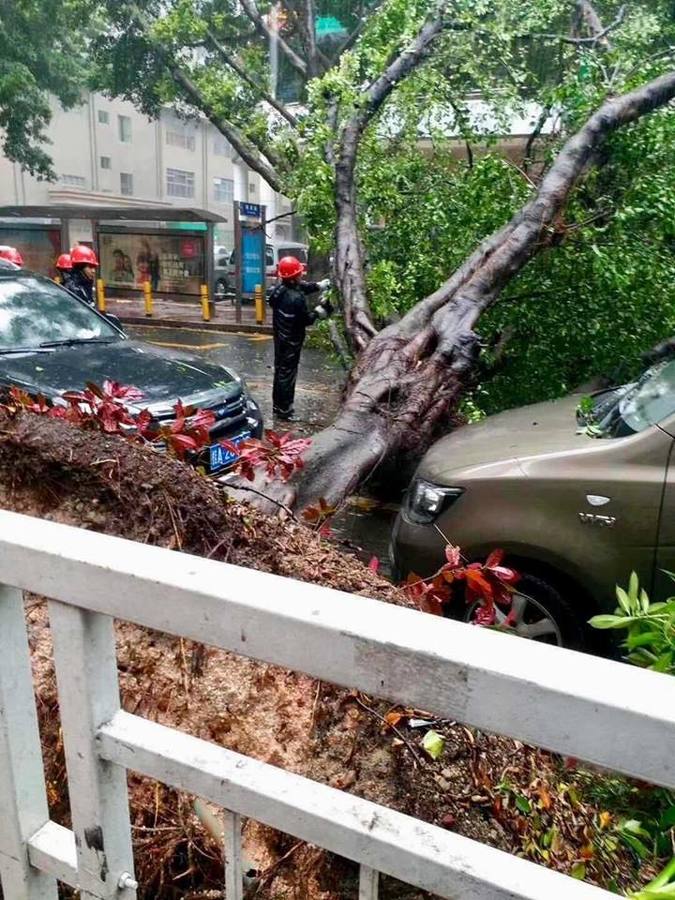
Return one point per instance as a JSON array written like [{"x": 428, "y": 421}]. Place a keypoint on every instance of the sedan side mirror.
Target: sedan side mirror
[{"x": 114, "y": 320}]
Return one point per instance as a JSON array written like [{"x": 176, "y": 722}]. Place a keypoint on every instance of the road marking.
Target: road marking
[{"x": 188, "y": 346}]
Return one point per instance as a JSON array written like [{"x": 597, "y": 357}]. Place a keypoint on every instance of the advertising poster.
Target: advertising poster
[
  {"x": 38, "y": 246},
  {"x": 172, "y": 264},
  {"x": 252, "y": 260}
]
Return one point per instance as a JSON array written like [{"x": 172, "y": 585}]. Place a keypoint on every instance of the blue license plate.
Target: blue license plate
[{"x": 221, "y": 457}]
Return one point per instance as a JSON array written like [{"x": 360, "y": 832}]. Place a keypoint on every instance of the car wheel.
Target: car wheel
[
  {"x": 221, "y": 289},
  {"x": 539, "y": 614}
]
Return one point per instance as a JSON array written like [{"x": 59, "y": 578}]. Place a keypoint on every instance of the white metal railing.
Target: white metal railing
[{"x": 593, "y": 709}]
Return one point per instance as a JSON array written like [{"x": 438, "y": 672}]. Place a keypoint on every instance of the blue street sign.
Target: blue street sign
[
  {"x": 252, "y": 259},
  {"x": 250, "y": 210}
]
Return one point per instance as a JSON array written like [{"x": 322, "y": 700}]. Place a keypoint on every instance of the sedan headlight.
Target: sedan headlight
[{"x": 426, "y": 501}]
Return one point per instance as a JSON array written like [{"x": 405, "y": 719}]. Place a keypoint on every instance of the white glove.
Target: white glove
[{"x": 325, "y": 284}]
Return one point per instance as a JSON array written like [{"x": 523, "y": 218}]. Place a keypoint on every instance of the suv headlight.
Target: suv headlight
[{"x": 426, "y": 501}]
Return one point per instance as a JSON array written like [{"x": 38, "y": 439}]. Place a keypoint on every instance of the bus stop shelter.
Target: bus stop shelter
[{"x": 170, "y": 248}]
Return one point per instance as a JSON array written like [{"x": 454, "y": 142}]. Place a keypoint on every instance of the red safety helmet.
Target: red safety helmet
[
  {"x": 81, "y": 255},
  {"x": 290, "y": 267},
  {"x": 64, "y": 262},
  {"x": 11, "y": 254}
]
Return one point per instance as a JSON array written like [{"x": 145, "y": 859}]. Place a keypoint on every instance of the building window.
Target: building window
[
  {"x": 183, "y": 139},
  {"x": 221, "y": 147},
  {"x": 103, "y": 117},
  {"x": 124, "y": 123},
  {"x": 105, "y": 162},
  {"x": 126, "y": 184},
  {"x": 223, "y": 190},
  {"x": 74, "y": 180},
  {"x": 180, "y": 183},
  {"x": 251, "y": 187}
]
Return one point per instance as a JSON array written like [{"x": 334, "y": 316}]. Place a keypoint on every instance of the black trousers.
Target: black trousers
[{"x": 286, "y": 361}]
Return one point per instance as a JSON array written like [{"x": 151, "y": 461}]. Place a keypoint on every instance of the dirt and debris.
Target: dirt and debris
[{"x": 492, "y": 789}]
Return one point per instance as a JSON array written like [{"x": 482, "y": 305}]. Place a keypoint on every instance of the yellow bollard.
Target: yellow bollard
[
  {"x": 100, "y": 294},
  {"x": 259, "y": 305},
  {"x": 206, "y": 310},
  {"x": 147, "y": 296}
]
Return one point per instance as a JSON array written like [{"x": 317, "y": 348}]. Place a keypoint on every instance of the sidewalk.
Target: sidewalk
[{"x": 187, "y": 314}]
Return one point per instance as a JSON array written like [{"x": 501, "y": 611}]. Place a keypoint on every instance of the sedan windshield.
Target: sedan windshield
[{"x": 34, "y": 313}]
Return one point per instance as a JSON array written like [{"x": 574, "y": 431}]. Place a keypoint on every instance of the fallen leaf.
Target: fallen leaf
[
  {"x": 605, "y": 819},
  {"x": 433, "y": 743},
  {"x": 448, "y": 821}
]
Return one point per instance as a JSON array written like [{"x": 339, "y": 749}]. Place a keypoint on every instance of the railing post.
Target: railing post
[
  {"x": 234, "y": 874},
  {"x": 86, "y": 672},
  {"x": 369, "y": 882},
  {"x": 23, "y": 796}
]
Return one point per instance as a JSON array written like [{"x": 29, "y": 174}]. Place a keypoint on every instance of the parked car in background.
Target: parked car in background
[
  {"x": 224, "y": 273},
  {"x": 576, "y": 507},
  {"x": 51, "y": 342},
  {"x": 223, "y": 278}
]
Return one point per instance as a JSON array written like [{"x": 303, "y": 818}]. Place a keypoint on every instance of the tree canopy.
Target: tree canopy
[{"x": 43, "y": 52}]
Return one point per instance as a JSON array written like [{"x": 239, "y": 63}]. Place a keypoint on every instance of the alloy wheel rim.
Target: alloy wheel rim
[{"x": 529, "y": 620}]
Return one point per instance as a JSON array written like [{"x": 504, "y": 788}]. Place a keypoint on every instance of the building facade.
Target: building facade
[{"x": 107, "y": 153}]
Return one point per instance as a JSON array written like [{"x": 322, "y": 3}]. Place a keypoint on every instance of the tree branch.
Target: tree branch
[
  {"x": 349, "y": 256},
  {"x": 253, "y": 13},
  {"x": 589, "y": 17},
  {"x": 358, "y": 31},
  {"x": 246, "y": 150},
  {"x": 234, "y": 63},
  {"x": 533, "y": 226}
]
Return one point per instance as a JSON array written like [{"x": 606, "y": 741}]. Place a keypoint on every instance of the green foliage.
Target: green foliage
[
  {"x": 42, "y": 53},
  {"x": 650, "y": 627},
  {"x": 588, "y": 305}
]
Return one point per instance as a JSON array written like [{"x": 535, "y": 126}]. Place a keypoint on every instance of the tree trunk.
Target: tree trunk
[{"x": 410, "y": 376}]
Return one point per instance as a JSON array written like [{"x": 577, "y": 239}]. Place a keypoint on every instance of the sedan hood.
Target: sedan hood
[
  {"x": 512, "y": 435},
  {"x": 164, "y": 377}
]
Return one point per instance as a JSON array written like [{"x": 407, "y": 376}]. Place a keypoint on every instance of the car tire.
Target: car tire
[
  {"x": 542, "y": 615},
  {"x": 221, "y": 289}
]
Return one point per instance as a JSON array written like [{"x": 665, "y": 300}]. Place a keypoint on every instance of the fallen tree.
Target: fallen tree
[
  {"x": 52, "y": 469},
  {"x": 410, "y": 375},
  {"x": 398, "y": 64}
]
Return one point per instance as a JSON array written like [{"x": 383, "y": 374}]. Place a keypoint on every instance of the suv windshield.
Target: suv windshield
[
  {"x": 34, "y": 312},
  {"x": 634, "y": 407}
]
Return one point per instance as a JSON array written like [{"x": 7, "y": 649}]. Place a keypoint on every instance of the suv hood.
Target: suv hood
[
  {"x": 548, "y": 427},
  {"x": 164, "y": 377}
]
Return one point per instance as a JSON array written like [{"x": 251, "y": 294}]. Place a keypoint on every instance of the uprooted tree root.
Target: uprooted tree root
[{"x": 492, "y": 789}]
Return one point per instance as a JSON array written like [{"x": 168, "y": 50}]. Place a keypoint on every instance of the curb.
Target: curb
[{"x": 226, "y": 327}]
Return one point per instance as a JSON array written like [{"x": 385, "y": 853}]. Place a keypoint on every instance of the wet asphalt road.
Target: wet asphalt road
[
  {"x": 365, "y": 524},
  {"x": 319, "y": 383}
]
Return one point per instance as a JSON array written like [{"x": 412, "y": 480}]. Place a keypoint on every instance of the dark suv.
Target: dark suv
[{"x": 51, "y": 342}]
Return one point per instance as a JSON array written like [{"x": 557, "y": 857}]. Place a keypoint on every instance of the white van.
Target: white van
[{"x": 274, "y": 251}]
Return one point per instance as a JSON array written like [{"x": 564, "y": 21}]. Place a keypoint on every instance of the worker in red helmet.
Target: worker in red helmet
[
  {"x": 83, "y": 274},
  {"x": 64, "y": 266},
  {"x": 11, "y": 254},
  {"x": 291, "y": 317}
]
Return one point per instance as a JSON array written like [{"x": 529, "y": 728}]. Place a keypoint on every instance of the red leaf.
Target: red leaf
[
  {"x": 494, "y": 559},
  {"x": 453, "y": 556},
  {"x": 374, "y": 564}
]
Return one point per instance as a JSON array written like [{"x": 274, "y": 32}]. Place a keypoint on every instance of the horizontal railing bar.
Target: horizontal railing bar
[
  {"x": 399, "y": 845},
  {"x": 52, "y": 850},
  {"x": 608, "y": 713}
]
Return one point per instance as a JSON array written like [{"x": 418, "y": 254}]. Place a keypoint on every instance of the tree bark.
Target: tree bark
[
  {"x": 410, "y": 376},
  {"x": 349, "y": 256}
]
